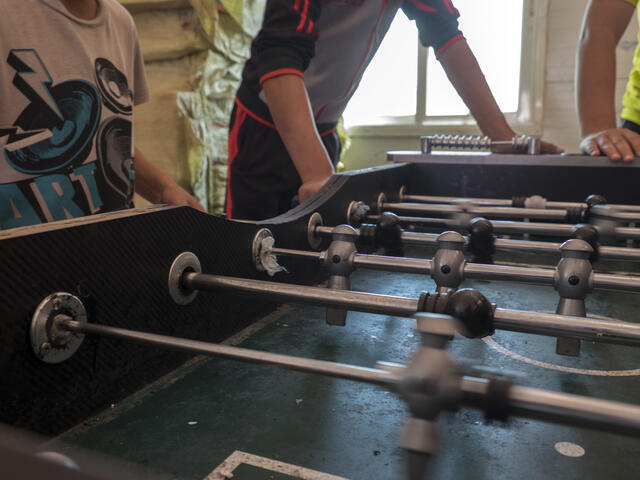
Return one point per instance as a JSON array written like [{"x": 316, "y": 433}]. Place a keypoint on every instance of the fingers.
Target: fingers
[
  {"x": 622, "y": 145},
  {"x": 546, "y": 147},
  {"x": 590, "y": 147},
  {"x": 195, "y": 204},
  {"x": 633, "y": 139},
  {"x": 614, "y": 146},
  {"x": 306, "y": 192},
  {"x": 617, "y": 144}
]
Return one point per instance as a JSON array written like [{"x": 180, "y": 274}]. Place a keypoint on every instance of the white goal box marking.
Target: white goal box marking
[{"x": 224, "y": 471}]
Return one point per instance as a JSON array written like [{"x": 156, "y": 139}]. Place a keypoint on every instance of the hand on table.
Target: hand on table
[
  {"x": 173, "y": 194},
  {"x": 545, "y": 147},
  {"x": 615, "y": 143},
  {"x": 309, "y": 188}
]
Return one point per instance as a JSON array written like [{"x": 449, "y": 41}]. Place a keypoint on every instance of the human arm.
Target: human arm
[
  {"x": 157, "y": 187},
  {"x": 603, "y": 25},
  {"x": 465, "y": 74},
  {"x": 437, "y": 22},
  {"x": 289, "y": 106},
  {"x": 283, "y": 49}
]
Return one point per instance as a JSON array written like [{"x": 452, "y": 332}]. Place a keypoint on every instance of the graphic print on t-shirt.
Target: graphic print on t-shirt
[{"x": 71, "y": 146}]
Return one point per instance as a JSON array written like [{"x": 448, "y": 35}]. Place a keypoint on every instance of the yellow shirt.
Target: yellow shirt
[{"x": 631, "y": 99}]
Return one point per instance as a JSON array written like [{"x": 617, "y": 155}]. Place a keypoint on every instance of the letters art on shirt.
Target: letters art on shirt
[{"x": 69, "y": 152}]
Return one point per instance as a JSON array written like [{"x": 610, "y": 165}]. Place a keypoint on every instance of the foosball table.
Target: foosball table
[{"x": 444, "y": 316}]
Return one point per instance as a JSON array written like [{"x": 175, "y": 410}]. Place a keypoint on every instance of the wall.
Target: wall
[
  {"x": 559, "y": 119},
  {"x": 565, "y": 18},
  {"x": 173, "y": 48}
]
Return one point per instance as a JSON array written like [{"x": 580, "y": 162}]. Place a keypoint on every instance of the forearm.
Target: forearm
[
  {"x": 595, "y": 77},
  {"x": 289, "y": 106},
  {"x": 150, "y": 180},
  {"x": 465, "y": 75}
]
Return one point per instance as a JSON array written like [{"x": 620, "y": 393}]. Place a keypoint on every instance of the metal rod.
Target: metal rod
[
  {"x": 296, "y": 253},
  {"x": 489, "y": 212},
  {"x": 503, "y": 202},
  {"x": 619, "y": 253},
  {"x": 324, "y": 231},
  {"x": 612, "y": 331},
  {"x": 536, "y": 275},
  {"x": 501, "y": 244},
  {"x": 394, "y": 264},
  {"x": 624, "y": 283},
  {"x": 377, "y": 262},
  {"x": 609, "y": 212},
  {"x": 552, "y": 324},
  {"x": 436, "y": 222},
  {"x": 524, "y": 402},
  {"x": 359, "y": 301},
  {"x": 563, "y": 408},
  {"x": 528, "y": 246},
  {"x": 508, "y": 227},
  {"x": 331, "y": 369}
]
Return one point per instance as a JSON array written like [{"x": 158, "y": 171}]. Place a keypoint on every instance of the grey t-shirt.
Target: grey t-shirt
[{"x": 67, "y": 90}]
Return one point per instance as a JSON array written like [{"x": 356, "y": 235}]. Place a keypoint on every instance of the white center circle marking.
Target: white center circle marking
[
  {"x": 491, "y": 343},
  {"x": 569, "y": 449}
]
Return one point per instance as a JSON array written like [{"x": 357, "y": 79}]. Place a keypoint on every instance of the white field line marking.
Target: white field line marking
[
  {"x": 255, "y": 327},
  {"x": 225, "y": 470},
  {"x": 172, "y": 377},
  {"x": 516, "y": 356}
]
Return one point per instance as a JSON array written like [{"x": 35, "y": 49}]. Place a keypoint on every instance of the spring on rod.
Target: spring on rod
[{"x": 522, "y": 143}]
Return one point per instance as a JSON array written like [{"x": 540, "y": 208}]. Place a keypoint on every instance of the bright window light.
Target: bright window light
[
  {"x": 389, "y": 87},
  {"x": 389, "y": 84},
  {"x": 493, "y": 29}
]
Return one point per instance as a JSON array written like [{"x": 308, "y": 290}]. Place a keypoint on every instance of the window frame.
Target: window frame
[{"x": 528, "y": 118}]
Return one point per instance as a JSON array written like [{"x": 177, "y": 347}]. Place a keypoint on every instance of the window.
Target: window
[{"x": 505, "y": 36}]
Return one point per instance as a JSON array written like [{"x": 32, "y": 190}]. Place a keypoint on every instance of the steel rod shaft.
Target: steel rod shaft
[
  {"x": 331, "y": 369},
  {"x": 503, "y": 202},
  {"x": 501, "y": 244},
  {"x": 610, "y": 212},
  {"x": 478, "y": 271},
  {"x": 508, "y": 227},
  {"x": 394, "y": 264},
  {"x": 540, "y": 276},
  {"x": 359, "y": 301},
  {"x": 563, "y": 408},
  {"x": 287, "y": 252},
  {"x": 584, "y": 328},
  {"x": 490, "y": 212},
  {"x": 510, "y": 245},
  {"x": 612, "y": 331},
  {"x": 378, "y": 262},
  {"x": 620, "y": 283},
  {"x": 524, "y": 402}
]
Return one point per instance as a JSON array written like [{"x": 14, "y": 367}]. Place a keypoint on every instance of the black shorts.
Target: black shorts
[
  {"x": 261, "y": 178},
  {"x": 628, "y": 124}
]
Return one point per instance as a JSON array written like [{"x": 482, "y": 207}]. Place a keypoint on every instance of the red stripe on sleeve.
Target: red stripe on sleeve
[
  {"x": 254, "y": 116},
  {"x": 448, "y": 44},
  {"x": 309, "y": 28},
  {"x": 296, "y": 5},
  {"x": 450, "y": 7},
  {"x": 421, "y": 6},
  {"x": 303, "y": 16},
  {"x": 241, "y": 115},
  {"x": 279, "y": 72}
]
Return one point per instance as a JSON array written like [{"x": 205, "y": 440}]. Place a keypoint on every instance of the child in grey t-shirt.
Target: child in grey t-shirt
[{"x": 70, "y": 73}]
